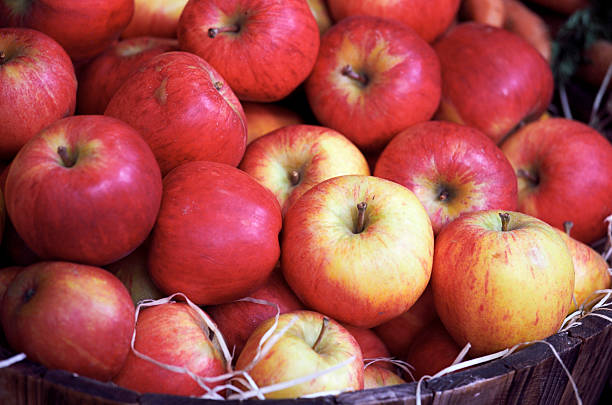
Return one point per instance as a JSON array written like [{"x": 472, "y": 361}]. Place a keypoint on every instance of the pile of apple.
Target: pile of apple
[{"x": 420, "y": 210}]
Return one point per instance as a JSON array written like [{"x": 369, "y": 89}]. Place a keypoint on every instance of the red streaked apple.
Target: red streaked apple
[
  {"x": 501, "y": 278},
  {"x": 238, "y": 319},
  {"x": 266, "y": 117},
  {"x": 154, "y": 18},
  {"x": 100, "y": 78},
  {"x": 293, "y": 159},
  {"x": 429, "y": 18},
  {"x": 492, "y": 79},
  {"x": 83, "y": 28},
  {"x": 173, "y": 334},
  {"x": 398, "y": 333},
  {"x": 451, "y": 168},
  {"x": 94, "y": 190},
  {"x": 358, "y": 249},
  {"x": 184, "y": 110},
  {"x": 564, "y": 171},
  {"x": 216, "y": 235},
  {"x": 432, "y": 350},
  {"x": 264, "y": 49},
  {"x": 373, "y": 78},
  {"x": 312, "y": 344},
  {"x": 375, "y": 376},
  {"x": 590, "y": 269},
  {"x": 37, "y": 86},
  {"x": 372, "y": 347},
  {"x": 69, "y": 316}
]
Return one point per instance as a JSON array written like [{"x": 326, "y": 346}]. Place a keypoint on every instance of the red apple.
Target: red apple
[
  {"x": 492, "y": 79},
  {"x": 264, "y": 49},
  {"x": 564, "y": 171},
  {"x": 312, "y": 344},
  {"x": 500, "y": 279},
  {"x": 358, "y": 249},
  {"x": 291, "y": 160},
  {"x": 372, "y": 347},
  {"x": 374, "y": 377},
  {"x": 84, "y": 28},
  {"x": 432, "y": 350},
  {"x": 266, "y": 117},
  {"x": 155, "y": 18},
  {"x": 398, "y": 333},
  {"x": 429, "y": 18},
  {"x": 173, "y": 334},
  {"x": 216, "y": 236},
  {"x": 373, "y": 78},
  {"x": 7, "y": 274},
  {"x": 451, "y": 168},
  {"x": 93, "y": 190},
  {"x": 37, "y": 86},
  {"x": 590, "y": 269},
  {"x": 133, "y": 272},
  {"x": 69, "y": 316},
  {"x": 184, "y": 110},
  {"x": 101, "y": 78},
  {"x": 321, "y": 14},
  {"x": 238, "y": 319}
]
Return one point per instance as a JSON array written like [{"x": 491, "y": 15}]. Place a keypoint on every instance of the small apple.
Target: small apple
[
  {"x": 69, "y": 316},
  {"x": 590, "y": 269},
  {"x": 429, "y": 18},
  {"x": 451, "y": 168},
  {"x": 372, "y": 347},
  {"x": 492, "y": 79},
  {"x": 172, "y": 334},
  {"x": 100, "y": 78},
  {"x": 358, "y": 249},
  {"x": 154, "y": 18},
  {"x": 564, "y": 171},
  {"x": 83, "y": 28},
  {"x": 432, "y": 350},
  {"x": 85, "y": 189},
  {"x": 500, "y": 279},
  {"x": 264, "y": 49},
  {"x": 184, "y": 110},
  {"x": 37, "y": 86},
  {"x": 266, "y": 117},
  {"x": 238, "y": 319},
  {"x": 216, "y": 235},
  {"x": 373, "y": 78},
  {"x": 312, "y": 344},
  {"x": 291, "y": 160},
  {"x": 321, "y": 14}
]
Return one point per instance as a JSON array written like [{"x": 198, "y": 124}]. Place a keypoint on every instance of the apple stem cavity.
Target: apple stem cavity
[
  {"x": 28, "y": 294},
  {"x": 321, "y": 332},
  {"x": 67, "y": 159},
  {"x": 443, "y": 196},
  {"x": 505, "y": 220},
  {"x": 361, "y": 209},
  {"x": 567, "y": 226},
  {"x": 349, "y": 72},
  {"x": 532, "y": 178},
  {"x": 213, "y": 32},
  {"x": 3, "y": 58},
  {"x": 294, "y": 177}
]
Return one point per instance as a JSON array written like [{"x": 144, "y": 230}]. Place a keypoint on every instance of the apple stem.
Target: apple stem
[
  {"x": 505, "y": 220},
  {"x": 527, "y": 175},
  {"x": 67, "y": 159},
  {"x": 349, "y": 72},
  {"x": 294, "y": 177},
  {"x": 321, "y": 332},
  {"x": 213, "y": 32},
  {"x": 361, "y": 209},
  {"x": 443, "y": 195},
  {"x": 567, "y": 226}
]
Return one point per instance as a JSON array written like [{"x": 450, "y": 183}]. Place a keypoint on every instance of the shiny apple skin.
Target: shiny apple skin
[{"x": 155, "y": 18}]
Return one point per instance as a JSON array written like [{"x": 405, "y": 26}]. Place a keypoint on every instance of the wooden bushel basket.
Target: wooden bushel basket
[{"x": 532, "y": 375}]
